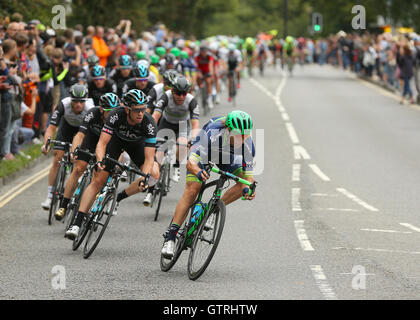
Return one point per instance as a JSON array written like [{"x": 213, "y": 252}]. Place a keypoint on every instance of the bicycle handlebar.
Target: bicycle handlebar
[
  {"x": 252, "y": 185},
  {"x": 87, "y": 153},
  {"x": 57, "y": 142},
  {"x": 123, "y": 166}
]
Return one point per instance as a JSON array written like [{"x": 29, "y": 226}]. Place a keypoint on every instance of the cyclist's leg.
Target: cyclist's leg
[
  {"x": 72, "y": 182},
  {"x": 89, "y": 143}
]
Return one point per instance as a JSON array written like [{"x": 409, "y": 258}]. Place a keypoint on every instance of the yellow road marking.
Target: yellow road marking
[{"x": 14, "y": 192}]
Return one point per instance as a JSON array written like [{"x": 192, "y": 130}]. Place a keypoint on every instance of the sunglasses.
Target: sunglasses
[
  {"x": 78, "y": 100},
  {"x": 142, "y": 79},
  {"x": 98, "y": 79},
  {"x": 137, "y": 110},
  {"x": 180, "y": 93}
]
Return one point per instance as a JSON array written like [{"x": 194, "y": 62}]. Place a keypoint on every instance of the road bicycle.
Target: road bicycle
[
  {"x": 64, "y": 170},
  {"x": 96, "y": 221},
  {"x": 195, "y": 233},
  {"x": 84, "y": 181}
]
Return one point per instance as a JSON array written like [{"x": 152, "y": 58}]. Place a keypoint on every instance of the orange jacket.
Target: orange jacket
[{"x": 101, "y": 49}]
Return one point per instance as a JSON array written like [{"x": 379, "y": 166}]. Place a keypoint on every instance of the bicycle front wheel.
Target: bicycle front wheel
[
  {"x": 206, "y": 241},
  {"x": 99, "y": 223},
  {"x": 57, "y": 192}
]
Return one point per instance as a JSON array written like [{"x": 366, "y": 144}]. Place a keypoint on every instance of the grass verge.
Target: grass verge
[{"x": 8, "y": 167}]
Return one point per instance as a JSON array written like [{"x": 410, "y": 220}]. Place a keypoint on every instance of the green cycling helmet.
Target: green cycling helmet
[
  {"x": 176, "y": 52},
  {"x": 160, "y": 51},
  {"x": 141, "y": 55},
  {"x": 239, "y": 121},
  {"x": 154, "y": 59},
  {"x": 184, "y": 54}
]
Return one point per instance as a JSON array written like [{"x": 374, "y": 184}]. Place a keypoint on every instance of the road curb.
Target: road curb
[
  {"x": 384, "y": 86},
  {"x": 4, "y": 181}
]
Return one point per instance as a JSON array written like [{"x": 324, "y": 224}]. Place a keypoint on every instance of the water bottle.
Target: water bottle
[{"x": 198, "y": 209}]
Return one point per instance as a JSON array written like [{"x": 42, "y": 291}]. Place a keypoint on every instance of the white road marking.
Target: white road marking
[
  {"x": 376, "y": 250},
  {"x": 319, "y": 173},
  {"x": 292, "y": 133},
  {"x": 302, "y": 236},
  {"x": 336, "y": 209},
  {"x": 410, "y": 226},
  {"x": 386, "y": 231},
  {"x": 296, "y": 172},
  {"x": 324, "y": 195},
  {"x": 300, "y": 153},
  {"x": 357, "y": 200},
  {"x": 321, "y": 281},
  {"x": 285, "y": 116},
  {"x": 23, "y": 186},
  {"x": 295, "y": 199}
]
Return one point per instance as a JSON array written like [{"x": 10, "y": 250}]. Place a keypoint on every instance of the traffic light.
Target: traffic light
[{"x": 316, "y": 22}]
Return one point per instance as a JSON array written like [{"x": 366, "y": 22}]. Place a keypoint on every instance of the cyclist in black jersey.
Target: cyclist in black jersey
[
  {"x": 140, "y": 80},
  {"x": 67, "y": 117},
  {"x": 87, "y": 138},
  {"x": 99, "y": 85},
  {"x": 128, "y": 128},
  {"x": 122, "y": 73}
]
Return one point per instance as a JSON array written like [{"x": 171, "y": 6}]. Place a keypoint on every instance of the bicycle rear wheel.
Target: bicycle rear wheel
[
  {"x": 57, "y": 192},
  {"x": 99, "y": 223},
  {"x": 74, "y": 207},
  {"x": 161, "y": 186},
  {"x": 205, "y": 242}
]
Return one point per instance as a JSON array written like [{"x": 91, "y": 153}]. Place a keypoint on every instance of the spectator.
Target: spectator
[
  {"x": 24, "y": 132},
  {"x": 405, "y": 60},
  {"x": 100, "y": 47},
  {"x": 12, "y": 29}
]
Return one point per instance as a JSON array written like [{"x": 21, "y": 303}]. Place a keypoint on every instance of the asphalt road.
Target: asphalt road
[{"x": 335, "y": 217}]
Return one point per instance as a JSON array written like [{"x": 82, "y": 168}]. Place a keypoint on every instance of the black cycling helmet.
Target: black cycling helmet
[
  {"x": 181, "y": 85},
  {"x": 109, "y": 101},
  {"x": 134, "y": 97},
  {"x": 125, "y": 62},
  {"x": 98, "y": 72},
  {"x": 78, "y": 92},
  {"x": 92, "y": 60},
  {"x": 141, "y": 71},
  {"x": 169, "y": 77},
  {"x": 170, "y": 58}
]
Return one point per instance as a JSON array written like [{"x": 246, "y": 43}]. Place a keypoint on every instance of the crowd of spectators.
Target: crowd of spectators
[
  {"x": 39, "y": 64},
  {"x": 391, "y": 60}
]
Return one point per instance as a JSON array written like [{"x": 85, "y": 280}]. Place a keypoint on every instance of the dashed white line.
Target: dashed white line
[
  {"x": 356, "y": 199},
  {"x": 300, "y": 153},
  {"x": 377, "y": 250},
  {"x": 321, "y": 281},
  {"x": 410, "y": 226},
  {"x": 292, "y": 133},
  {"x": 337, "y": 209},
  {"x": 295, "y": 199},
  {"x": 324, "y": 195},
  {"x": 385, "y": 231},
  {"x": 319, "y": 173},
  {"x": 296, "y": 172},
  {"x": 302, "y": 236}
]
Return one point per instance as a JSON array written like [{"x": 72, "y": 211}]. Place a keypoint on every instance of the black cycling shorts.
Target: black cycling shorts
[
  {"x": 65, "y": 133},
  {"x": 89, "y": 143},
  {"x": 181, "y": 129},
  {"x": 116, "y": 146}
]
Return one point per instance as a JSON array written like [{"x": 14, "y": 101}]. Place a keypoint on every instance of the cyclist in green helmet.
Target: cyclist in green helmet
[
  {"x": 226, "y": 138},
  {"x": 160, "y": 51},
  {"x": 141, "y": 55}
]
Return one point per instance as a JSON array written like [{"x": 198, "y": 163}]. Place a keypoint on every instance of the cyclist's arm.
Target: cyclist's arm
[
  {"x": 101, "y": 146},
  {"x": 77, "y": 140},
  {"x": 160, "y": 106},
  {"x": 49, "y": 133}
]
